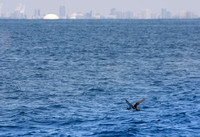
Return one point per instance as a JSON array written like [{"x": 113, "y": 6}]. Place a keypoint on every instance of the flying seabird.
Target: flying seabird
[{"x": 135, "y": 106}]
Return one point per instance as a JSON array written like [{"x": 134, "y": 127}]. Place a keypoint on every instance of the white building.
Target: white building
[
  {"x": 146, "y": 14},
  {"x": 77, "y": 15},
  {"x": 51, "y": 17}
]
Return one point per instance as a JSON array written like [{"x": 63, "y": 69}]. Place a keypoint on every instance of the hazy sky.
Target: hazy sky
[{"x": 101, "y": 6}]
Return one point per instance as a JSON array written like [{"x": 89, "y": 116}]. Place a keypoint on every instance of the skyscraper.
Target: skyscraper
[
  {"x": 146, "y": 14},
  {"x": 190, "y": 15},
  {"x": 113, "y": 11},
  {"x": 165, "y": 14},
  {"x": 88, "y": 15},
  {"x": 0, "y": 10},
  {"x": 62, "y": 12},
  {"x": 128, "y": 15},
  {"x": 19, "y": 12},
  {"x": 37, "y": 14}
]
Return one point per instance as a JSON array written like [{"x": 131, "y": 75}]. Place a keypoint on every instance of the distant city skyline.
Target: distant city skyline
[{"x": 130, "y": 8}]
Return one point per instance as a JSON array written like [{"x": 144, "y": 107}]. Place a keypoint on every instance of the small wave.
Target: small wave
[{"x": 5, "y": 40}]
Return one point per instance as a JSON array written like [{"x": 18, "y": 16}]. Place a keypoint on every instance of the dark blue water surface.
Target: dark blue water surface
[{"x": 71, "y": 78}]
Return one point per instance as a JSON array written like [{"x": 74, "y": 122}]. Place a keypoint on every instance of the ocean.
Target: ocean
[{"x": 72, "y": 77}]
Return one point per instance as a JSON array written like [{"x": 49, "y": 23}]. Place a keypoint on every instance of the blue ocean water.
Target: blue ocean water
[{"x": 71, "y": 78}]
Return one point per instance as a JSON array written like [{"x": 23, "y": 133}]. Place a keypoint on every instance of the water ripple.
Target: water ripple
[{"x": 71, "y": 78}]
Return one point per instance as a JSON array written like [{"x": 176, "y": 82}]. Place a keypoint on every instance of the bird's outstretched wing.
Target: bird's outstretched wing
[
  {"x": 138, "y": 103},
  {"x": 130, "y": 105}
]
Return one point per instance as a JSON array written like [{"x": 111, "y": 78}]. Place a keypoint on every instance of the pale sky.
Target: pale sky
[{"x": 102, "y": 6}]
